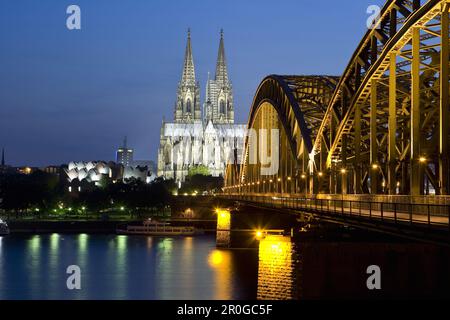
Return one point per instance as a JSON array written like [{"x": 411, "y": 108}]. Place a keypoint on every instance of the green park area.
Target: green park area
[{"x": 41, "y": 196}]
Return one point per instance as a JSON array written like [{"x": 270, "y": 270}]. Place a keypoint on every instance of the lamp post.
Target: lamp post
[{"x": 303, "y": 176}]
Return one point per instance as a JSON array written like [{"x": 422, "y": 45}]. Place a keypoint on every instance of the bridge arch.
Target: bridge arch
[
  {"x": 384, "y": 128},
  {"x": 293, "y": 106},
  {"x": 392, "y": 104}
]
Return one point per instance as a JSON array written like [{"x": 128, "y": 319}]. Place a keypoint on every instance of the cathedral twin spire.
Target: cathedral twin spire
[
  {"x": 188, "y": 76},
  {"x": 219, "y": 100},
  {"x": 221, "y": 67}
]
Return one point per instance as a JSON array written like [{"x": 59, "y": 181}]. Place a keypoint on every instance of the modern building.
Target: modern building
[
  {"x": 205, "y": 137},
  {"x": 124, "y": 154},
  {"x": 86, "y": 175}
]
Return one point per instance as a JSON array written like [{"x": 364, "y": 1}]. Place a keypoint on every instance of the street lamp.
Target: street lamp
[{"x": 259, "y": 234}]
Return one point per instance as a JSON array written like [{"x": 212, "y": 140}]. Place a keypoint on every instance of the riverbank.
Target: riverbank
[{"x": 91, "y": 226}]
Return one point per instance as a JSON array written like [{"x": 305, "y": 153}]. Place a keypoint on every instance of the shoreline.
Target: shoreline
[{"x": 95, "y": 226}]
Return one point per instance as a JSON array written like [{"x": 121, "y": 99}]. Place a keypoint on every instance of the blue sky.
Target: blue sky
[{"x": 73, "y": 95}]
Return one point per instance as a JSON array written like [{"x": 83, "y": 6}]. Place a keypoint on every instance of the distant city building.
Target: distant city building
[
  {"x": 3, "y": 167},
  {"x": 26, "y": 170},
  {"x": 55, "y": 170},
  {"x": 211, "y": 140},
  {"x": 124, "y": 154},
  {"x": 84, "y": 175},
  {"x": 90, "y": 171}
]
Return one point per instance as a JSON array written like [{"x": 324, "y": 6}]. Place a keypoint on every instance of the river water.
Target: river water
[
  {"x": 140, "y": 267},
  {"x": 124, "y": 267}
]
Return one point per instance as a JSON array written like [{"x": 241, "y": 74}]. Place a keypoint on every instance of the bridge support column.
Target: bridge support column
[
  {"x": 416, "y": 172},
  {"x": 444, "y": 151},
  {"x": 332, "y": 182},
  {"x": 333, "y": 179},
  {"x": 374, "y": 166},
  {"x": 392, "y": 124},
  {"x": 357, "y": 161},
  {"x": 278, "y": 269},
  {"x": 344, "y": 169},
  {"x": 223, "y": 233}
]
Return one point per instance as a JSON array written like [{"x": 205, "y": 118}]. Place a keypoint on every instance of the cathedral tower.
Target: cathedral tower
[
  {"x": 187, "y": 107},
  {"x": 219, "y": 94}
]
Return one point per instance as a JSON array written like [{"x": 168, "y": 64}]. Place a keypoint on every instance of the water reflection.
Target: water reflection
[
  {"x": 133, "y": 267},
  {"x": 34, "y": 264},
  {"x": 187, "y": 260},
  {"x": 221, "y": 262},
  {"x": 149, "y": 243},
  {"x": 82, "y": 253},
  {"x": 121, "y": 266},
  {"x": 54, "y": 249},
  {"x": 215, "y": 258},
  {"x": 124, "y": 267},
  {"x": 53, "y": 256},
  {"x": 288, "y": 269}
]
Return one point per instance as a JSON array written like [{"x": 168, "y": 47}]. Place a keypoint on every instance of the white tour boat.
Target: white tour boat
[{"x": 156, "y": 228}]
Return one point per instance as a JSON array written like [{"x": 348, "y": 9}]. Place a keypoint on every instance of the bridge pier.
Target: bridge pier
[
  {"x": 278, "y": 269},
  {"x": 223, "y": 233}
]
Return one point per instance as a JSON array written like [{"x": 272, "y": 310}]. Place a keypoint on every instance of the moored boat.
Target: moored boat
[{"x": 156, "y": 228}]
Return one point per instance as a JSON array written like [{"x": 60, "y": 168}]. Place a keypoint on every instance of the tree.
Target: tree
[{"x": 198, "y": 170}]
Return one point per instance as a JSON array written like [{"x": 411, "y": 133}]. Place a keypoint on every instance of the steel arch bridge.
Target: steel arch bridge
[
  {"x": 382, "y": 128},
  {"x": 369, "y": 148}
]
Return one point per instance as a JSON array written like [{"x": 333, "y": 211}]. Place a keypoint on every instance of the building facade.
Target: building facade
[
  {"x": 198, "y": 136},
  {"x": 124, "y": 155}
]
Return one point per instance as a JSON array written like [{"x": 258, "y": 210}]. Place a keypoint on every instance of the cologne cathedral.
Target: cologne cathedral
[{"x": 201, "y": 135}]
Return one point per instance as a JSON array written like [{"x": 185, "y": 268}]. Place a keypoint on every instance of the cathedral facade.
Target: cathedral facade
[{"x": 201, "y": 134}]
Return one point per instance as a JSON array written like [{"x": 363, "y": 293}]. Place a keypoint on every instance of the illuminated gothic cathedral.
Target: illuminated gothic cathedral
[{"x": 201, "y": 136}]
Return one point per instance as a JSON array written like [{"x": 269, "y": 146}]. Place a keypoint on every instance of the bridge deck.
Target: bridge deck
[{"x": 428, "y": 218}]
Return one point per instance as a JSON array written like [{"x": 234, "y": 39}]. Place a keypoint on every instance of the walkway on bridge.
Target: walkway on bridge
[{"x": 430, "y": 219}]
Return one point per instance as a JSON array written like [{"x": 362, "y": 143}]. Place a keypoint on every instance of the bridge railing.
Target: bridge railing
[{"x": 420, "y": 214}]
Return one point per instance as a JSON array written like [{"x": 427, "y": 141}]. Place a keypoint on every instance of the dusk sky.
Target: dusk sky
[{"x": 72, "y": 95}]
